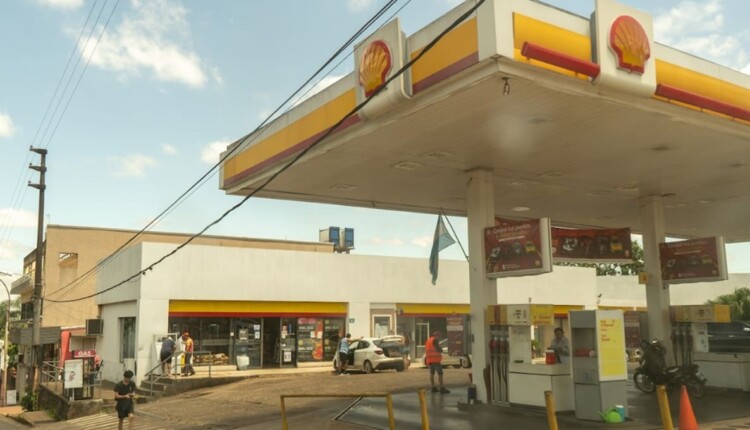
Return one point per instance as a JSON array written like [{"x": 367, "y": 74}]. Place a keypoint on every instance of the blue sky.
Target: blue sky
[{"x": 174, "y": 81}]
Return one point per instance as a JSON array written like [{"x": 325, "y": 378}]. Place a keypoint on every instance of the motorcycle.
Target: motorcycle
[{"x": 653, "y": 371}]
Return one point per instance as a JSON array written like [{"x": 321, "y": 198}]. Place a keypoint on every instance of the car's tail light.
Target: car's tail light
[{"x": 379, "y": 351}]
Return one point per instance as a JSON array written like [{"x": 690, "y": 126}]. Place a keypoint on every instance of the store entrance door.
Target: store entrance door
[
  {"x": 271, "y": 342},
  {"x": 247, "y": 343},
  {"x": 423, "y": 333}
]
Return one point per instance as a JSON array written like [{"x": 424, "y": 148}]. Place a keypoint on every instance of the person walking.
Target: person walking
[
  {"x": 433, "y": 358},
  {"x": 165, "y": 356},
  {"x": 187, "y": 370},
  {"x": 124, "y": 393},
  {"x": 561, "y": 346}
]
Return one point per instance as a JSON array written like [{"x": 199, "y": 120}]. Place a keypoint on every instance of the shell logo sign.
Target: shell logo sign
[
  {"x": 374, "y": 66},
  {"x": 629, "y": 41}
]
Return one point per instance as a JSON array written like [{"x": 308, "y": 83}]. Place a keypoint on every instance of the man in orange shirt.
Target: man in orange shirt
[
  {"x": 187, "y": 370},
  {"x": 433, "y": 358}
]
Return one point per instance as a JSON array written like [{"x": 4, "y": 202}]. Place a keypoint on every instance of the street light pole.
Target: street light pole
[{"x": 5, "y": 344}]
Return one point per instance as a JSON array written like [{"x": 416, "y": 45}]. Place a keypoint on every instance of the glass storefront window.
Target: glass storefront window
[
  {"x": 310, "y": 340},
  {"x": 333, "y": 331}
]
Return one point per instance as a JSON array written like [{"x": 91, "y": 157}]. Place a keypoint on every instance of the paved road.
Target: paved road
[
  {"x": 10, "y": 424},
  {"x": 106, "y": 422},
  {"x": 253, "y": 404}
]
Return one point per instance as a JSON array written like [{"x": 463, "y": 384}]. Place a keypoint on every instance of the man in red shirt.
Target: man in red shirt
[
  {"x": 187, "y": 370},
  {"x": 433, "y": 358}
]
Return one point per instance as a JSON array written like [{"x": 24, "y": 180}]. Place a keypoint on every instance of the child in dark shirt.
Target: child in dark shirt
[{"x": 124, "y": 393}]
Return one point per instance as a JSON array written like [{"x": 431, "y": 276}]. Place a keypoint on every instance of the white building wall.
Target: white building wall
[
  {"x": 625, "y": 290},
  {"x": 108, "y": 345},
  {"x": 563, "y": 286},
  {"x": 125, "y": 265},
  {"x": 201, "y": 272}
]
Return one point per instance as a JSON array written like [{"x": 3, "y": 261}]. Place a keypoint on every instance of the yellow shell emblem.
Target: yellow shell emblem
[
  {"x": 374, "y": 66},
  {"x": 630, "y": 42}
]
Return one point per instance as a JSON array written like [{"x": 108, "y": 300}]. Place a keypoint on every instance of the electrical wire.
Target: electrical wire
[
  {"x": 292, "y": 162},
  {"x": 240, "y": 143},
  {"x": 19, "y": 192}
]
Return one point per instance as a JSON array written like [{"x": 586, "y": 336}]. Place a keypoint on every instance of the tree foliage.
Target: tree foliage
[
  {"x": 614, "y": 269},
  {"x": 738, "y": 301}
]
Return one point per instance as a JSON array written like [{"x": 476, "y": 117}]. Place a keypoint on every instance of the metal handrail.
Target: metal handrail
[
  {"x": 51, "y": 372},
  {"x": 152, "y": 378}
]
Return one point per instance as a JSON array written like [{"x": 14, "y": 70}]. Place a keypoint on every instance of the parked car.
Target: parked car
[
  {"x": 370, "y": 354},
  {"x": 452, "y": 360},
  {"x": 729, "y": 337}
]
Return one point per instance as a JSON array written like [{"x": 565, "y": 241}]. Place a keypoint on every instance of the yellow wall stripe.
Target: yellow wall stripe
[
  {"x": 458, "y": 44},
  {"x": 314, "y": 123},
  {"x": 527, "y": 29},
  {"x": 689, "y": 80}
]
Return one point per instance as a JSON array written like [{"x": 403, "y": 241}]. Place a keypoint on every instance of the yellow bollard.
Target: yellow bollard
[
  {"x": 389, "y": 406},
  {"x": 423, "y": 408},
  {"x": 666, "y": 415},
  {"x": 284, "y": 423},
  {"x": 549, "y": 400}
]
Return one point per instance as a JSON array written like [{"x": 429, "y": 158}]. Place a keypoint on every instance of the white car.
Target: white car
[
  {"x": 370, "y": 354},
  {"x": 452, "y": 360}
]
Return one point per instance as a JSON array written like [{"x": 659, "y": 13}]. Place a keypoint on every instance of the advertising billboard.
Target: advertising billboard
[
  {"x": 517, "y": 248},
  {"x": 592, "y": 245},
  {"x": 694, "y": 260}
]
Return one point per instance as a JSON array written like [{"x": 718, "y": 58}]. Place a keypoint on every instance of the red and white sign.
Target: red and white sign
[
  {"x": 84, "y": 353},
  {"x": 517, "y": 248},
  {"x": 592, "y": 245},
  {"x": 695, "y": 260}
]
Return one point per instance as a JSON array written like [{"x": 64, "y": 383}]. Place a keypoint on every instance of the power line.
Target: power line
[
  {"x": 292, "y": 162},
  {"x": 17, "y": 196},
  {"x": 240, "y": 143}
]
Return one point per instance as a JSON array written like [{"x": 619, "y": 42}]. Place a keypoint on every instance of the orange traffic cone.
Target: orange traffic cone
[{"x": 687, "y": 417}]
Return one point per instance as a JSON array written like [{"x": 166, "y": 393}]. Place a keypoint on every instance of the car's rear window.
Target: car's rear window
[{"x": 382, "y": 343}]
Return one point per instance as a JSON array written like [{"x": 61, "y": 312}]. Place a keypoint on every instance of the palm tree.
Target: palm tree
[{"x": 739, "y": 303}]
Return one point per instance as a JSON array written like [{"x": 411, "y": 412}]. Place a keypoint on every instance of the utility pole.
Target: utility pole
[{"x": 36, "y": 324}]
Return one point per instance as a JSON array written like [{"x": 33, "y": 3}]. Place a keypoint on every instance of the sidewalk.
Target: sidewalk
[{"x": 11, "y": 411}]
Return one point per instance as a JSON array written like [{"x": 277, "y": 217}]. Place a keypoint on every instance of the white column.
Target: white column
[
  {"x": 657, "y": 293},
  {"x": 480, "y": 208}
]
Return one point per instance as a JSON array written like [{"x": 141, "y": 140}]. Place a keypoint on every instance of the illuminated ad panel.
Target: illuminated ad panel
[
  {"x": 694, "y": 260},
  {"x": 517, "y": 248},
  {"x": 592, "y": 245}
]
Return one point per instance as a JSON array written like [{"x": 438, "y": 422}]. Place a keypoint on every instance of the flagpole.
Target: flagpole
[{"x": 442, "y": 212}]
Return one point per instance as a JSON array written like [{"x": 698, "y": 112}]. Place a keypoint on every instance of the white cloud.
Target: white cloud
[
  {"x": 696, "y": 28},
  {"x": 211, "y": 153},
  {"x": 131, "y": 165},
  {"x": 318, "y": 87},
  {"x": 17, "y": 218},
  {"x": 423, "y": 242},
  {"x": 12, "y": 252},
  {"x": 62, "y": 4},
  {"x": 154, "y": 38},
  {"x": 689, "y": 17},
  {"x": 168, "y": 149},
  {"x": 382, "y": 241},
  {"x": 216, "y": 74},
  {"x": 358, "y": 5},
  {"x": 6, "y": 126}
]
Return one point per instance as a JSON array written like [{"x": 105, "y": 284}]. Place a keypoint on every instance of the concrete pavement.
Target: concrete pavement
[{"x": 253, "y": 404}]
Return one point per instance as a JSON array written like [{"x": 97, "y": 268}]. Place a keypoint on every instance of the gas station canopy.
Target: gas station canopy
[{"x": 577, "y": 119}]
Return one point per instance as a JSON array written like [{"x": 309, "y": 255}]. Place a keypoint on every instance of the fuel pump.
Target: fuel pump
[{"x": 498, "y": 347}]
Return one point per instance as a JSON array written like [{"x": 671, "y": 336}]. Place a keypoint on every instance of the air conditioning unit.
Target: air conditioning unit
[{"x": 95, "y": 327}]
